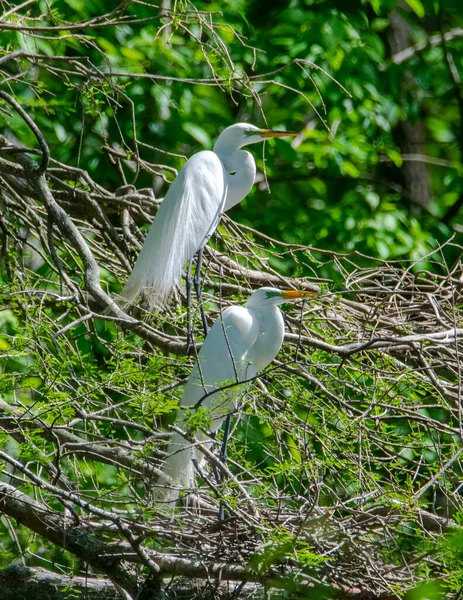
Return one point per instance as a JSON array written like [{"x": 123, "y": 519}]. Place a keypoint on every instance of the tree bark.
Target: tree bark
[
  {"x": 59, "y": 529},
  {"x": 18, "y": 582},
  {"x": 411, "y": 136}
]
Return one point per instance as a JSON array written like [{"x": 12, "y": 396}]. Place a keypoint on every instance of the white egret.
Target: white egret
[
  {"x": 209, "y": 184},
  {"x": 242, "y": 342}
]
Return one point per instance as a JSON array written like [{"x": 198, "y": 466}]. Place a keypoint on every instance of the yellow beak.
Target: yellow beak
[
  {"x": 272, "y": 133},
  {"x": 294, "y": 294}
]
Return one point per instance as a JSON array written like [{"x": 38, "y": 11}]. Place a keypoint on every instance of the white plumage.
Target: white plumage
[
  {"x": 242, "y": 342},
  {"x": 195, "y": 199},
  {"x": 209, "y": 184}
]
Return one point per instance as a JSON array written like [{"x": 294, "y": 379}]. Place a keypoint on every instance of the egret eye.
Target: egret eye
[{"x": 272, "y": 294}]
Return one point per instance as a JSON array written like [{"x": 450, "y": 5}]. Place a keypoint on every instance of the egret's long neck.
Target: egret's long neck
[{"x": 241, "y": 169}]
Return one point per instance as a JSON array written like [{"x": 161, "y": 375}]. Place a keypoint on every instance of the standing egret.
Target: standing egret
[
  {"x": 210, "y": 183},
  {"x": 242, "y": 342}
]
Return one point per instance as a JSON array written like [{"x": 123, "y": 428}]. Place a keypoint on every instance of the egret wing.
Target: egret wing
[
  {"x": 186, "y": 218},
  {"x": 222, "y": 360}
]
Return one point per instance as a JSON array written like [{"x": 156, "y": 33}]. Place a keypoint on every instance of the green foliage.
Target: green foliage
[
  {"x": 340, "y": 186},
  {"x": 281, "y": 547},
  {"x": 329, "y": 437}
]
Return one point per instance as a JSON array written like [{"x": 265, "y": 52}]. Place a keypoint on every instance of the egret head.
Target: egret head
[
  {"x": 242, "y": 134},
  {"x": 268, "y": 296}
]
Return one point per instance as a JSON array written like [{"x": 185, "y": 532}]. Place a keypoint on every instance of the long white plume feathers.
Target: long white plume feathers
[
  {"x": 179, "y": 468},
  {"x": 185, "y": 220}
]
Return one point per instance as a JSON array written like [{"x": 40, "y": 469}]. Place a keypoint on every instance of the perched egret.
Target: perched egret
[
  {"x": 209, "y": 184},
  {"x": 242, "y": 342}
]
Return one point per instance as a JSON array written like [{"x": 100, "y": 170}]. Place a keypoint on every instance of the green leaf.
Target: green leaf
[
  {"x": 428, "y": 590},
  {"x": 395, "y": 157},
  {"x": 417, "y": 7},
  {"x": 199, "y": 134}
]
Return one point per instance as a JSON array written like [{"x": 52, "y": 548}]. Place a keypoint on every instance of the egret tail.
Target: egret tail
[
  {"x": 160, "y": 263},
  {"x": 179, "y": 467}
]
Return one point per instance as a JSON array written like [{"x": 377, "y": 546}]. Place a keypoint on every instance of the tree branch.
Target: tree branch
[
  {"x": 434, "y": 40},
  {"x": 58, "y": 529},
  {"x": 18, "y": 582},
  {"x": 12, "y": 421}
]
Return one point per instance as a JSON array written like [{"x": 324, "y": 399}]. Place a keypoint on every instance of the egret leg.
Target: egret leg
[
  {"x": 197, "y": 285},
  {"x": 226, "y": 434},
  {"x": 223, "y": 457},
  {"x": 189, "y": 330}
]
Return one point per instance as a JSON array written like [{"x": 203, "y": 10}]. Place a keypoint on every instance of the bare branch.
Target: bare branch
[{"x": 36, "y": 583}]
